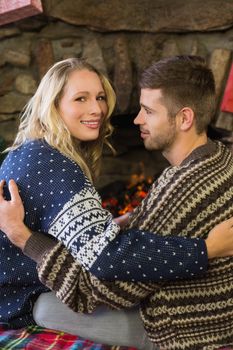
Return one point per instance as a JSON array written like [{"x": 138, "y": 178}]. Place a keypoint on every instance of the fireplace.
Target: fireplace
[
  {"x": 121, "y": 38},
  {"x": 132, "y": 162}
]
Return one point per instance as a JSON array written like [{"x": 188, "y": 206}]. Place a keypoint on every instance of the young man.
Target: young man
[{"x": 190, "y": 197}]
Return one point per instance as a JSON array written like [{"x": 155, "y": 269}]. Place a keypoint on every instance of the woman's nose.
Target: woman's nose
[{"x": 95, "y": 107}]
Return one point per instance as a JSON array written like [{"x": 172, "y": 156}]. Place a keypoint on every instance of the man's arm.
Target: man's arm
[{"x": 80, "y": 290}]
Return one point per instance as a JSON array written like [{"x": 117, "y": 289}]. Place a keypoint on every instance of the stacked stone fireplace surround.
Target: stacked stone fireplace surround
[{"x": 121, "y": 38}]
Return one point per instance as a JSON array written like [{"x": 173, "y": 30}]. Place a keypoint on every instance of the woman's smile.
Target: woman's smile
[{"x": 93, "y": 124}]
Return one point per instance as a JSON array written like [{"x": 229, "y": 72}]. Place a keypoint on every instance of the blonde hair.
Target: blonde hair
[{"x": 40, "y": 118}]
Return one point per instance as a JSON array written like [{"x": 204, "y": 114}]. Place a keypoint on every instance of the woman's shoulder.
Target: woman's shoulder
[
  {"x": 30, "y": 150},
  {"x": 43, "y": 153},
  {"x": 37, "y": 159}
]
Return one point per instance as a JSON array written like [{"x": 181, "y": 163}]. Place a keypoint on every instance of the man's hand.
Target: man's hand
[
  {"x": 122, "y": 220},
  {"x": 12, "y": 215},
  {"x": 220, "y": 240}
]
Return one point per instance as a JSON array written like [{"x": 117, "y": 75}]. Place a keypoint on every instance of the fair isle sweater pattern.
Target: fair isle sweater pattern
[
  {"x": 183, "y": 315},
  {"x": 84, "y": 226},
  {"x": 60, "y": 200},
  {"x": 195, "y": 314}
]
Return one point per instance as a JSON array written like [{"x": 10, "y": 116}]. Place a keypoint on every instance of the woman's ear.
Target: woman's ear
[{"x": 186, "y": 118}]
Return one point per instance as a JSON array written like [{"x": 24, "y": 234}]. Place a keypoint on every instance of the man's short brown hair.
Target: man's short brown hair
[{"x": 185, "y": 81}]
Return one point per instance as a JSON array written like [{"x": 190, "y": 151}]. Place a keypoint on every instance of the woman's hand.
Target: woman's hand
[
  {"x": 220, "y": 240},
  {"x": 12, "y": 216}
]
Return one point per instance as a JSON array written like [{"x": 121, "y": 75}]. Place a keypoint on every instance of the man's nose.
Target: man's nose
[{"x": 140, "y": 118}]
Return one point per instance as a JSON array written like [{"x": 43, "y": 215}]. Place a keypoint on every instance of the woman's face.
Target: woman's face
[{"x": 83, "y": 105}]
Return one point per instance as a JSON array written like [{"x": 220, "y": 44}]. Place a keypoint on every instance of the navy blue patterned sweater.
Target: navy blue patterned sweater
[{"x": 61, "y": 201}]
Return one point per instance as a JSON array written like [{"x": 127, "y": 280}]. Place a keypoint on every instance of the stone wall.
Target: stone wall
[{"x": 121, "y": 38}]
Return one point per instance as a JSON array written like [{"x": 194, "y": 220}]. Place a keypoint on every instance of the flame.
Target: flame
[{"x": 135, "y": 191}]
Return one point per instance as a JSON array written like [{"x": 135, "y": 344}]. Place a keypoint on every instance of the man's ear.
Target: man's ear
[{"x": 186, "y": 118}]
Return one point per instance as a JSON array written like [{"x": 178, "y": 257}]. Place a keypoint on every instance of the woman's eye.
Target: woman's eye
[
  {"x": 81, "y": 99},
  {"x": 101, "y": 98}
]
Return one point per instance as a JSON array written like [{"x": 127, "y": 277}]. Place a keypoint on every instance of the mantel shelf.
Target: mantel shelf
[{"x": 14, "y": 10}]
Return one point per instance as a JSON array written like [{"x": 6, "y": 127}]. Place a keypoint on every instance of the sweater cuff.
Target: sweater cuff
[
  {"x": 202, "y": 255},
  {"x": 38, "y": 245}
]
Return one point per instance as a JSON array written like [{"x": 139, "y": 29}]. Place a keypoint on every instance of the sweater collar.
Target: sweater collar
[{"x": 201, "y": 151}]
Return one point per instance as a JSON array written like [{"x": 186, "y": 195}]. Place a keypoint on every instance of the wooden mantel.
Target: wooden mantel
[{"x": 14, "y": 10}]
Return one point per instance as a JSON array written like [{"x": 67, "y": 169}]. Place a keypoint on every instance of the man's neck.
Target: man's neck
[{"x": 183, "y": 147}]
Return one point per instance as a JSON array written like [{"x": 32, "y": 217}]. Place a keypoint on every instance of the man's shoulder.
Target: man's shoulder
[
  {"x": 208, "y": 154},
  {"x": 209, "y": 161}
]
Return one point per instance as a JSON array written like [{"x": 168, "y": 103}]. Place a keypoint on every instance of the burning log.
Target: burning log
[{"x": 120, "y": 197}]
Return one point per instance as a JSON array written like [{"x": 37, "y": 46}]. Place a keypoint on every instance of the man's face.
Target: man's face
[{"x": 158, "y": 131}]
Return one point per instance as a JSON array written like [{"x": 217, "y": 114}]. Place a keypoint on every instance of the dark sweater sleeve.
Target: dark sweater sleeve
[{"x": 134, "y": 256}]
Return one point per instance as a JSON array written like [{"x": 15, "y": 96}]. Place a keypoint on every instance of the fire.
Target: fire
[{"x": 132, "y": 195}]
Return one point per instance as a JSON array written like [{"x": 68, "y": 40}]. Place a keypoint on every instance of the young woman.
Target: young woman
[{"x": 54, "y": 160}]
